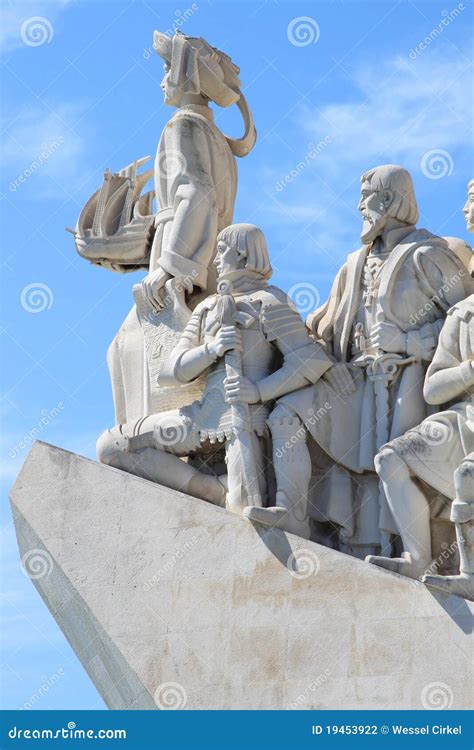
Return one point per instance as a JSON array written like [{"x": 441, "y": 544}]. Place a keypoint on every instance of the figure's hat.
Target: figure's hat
[{"x": 198, "y": 68}]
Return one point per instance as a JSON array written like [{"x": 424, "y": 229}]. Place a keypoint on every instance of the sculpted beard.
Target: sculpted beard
[{"x": 373, "y": 225}]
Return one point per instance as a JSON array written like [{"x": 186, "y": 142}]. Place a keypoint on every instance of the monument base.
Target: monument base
[{"x": 170, "y": 602}]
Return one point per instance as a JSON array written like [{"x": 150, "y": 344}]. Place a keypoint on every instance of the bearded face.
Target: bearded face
[
  {"x": 468, "y": 209},
  {"x": 374, "y": 213}
]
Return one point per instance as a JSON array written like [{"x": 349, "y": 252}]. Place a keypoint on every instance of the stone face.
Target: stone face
[{"x": 169, "y": 601}]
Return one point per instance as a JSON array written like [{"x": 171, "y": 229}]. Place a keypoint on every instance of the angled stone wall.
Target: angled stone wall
[{"x": 171, "y": 602}]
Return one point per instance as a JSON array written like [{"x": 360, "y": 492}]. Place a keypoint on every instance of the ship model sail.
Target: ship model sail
[{"x": 116, "y": 226}]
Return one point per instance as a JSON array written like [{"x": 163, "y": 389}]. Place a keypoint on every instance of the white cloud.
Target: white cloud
[
  {"x": 391, "y": 112},
  {"x": 404, "y": 107}
]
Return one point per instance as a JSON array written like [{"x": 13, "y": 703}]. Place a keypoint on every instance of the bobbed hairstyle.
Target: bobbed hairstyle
[{"x": 251, "y": 243}]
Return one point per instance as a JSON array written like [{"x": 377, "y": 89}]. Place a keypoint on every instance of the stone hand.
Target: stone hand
[
  {"x": 240, "y": 389},
  {"x": 153, "y": 288},
  {"x": 227, "y": 338},
  {"x": 340, "y": 379},
  {"x": 388, "y": 337}
]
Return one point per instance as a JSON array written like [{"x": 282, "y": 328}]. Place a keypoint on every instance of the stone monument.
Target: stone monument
[{"x": 209, "y": 560}]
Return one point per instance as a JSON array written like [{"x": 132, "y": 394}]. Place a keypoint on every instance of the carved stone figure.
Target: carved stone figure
[
  {"x": 381, "y": 326},
  {"x": 251, "y": 346},
  {"x": 195, "y": 178},
  {"x": 440, "y": 452},
  {"x": 468, "y": 209}
]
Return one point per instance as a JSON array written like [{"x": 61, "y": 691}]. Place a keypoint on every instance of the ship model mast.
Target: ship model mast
[{"x": 116, "y": 226}]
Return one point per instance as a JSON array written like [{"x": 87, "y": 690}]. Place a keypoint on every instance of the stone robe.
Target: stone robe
[
  {"x": 195, "y": 184},
  {"x": 418, "y": 282}
]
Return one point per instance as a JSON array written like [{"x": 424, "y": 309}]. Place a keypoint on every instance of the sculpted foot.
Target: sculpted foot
[
  {"x": 278, "y": 518},
  {"x": 460, "y": 585},
  {"x": 403, "y": 565}
]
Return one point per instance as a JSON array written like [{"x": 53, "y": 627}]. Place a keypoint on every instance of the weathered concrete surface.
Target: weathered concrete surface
[{"x": 153, "y": 587}]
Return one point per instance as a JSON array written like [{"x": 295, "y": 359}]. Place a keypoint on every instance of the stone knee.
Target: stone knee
[
  {"x": 389, "y": 466},
  {"x": 111, "y": 445}
]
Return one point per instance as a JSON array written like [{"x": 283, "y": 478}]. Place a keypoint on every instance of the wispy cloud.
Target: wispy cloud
[{"x": 399, "y": 109}]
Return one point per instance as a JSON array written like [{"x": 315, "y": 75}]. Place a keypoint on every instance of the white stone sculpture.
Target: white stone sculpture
[
  {"x": 440, "y": 452},
  {"x": 380, "y": 326},
  {"x": 468, "y": 209},
  {"x": 252, "y": 346},
  {"x": 195, "y": 177}
]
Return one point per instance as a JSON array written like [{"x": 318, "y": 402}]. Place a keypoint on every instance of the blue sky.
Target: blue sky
[{"x": 365, "y": 85}]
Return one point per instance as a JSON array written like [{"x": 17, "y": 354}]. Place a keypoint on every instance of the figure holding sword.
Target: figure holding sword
[{"x": 252, "y": 346}]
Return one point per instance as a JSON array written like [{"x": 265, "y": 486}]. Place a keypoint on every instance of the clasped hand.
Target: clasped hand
[{"x": 238, "y": 388}]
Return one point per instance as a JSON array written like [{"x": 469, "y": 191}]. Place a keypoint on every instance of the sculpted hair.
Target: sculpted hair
[
  {"x": 392, "y": 177},
  {"x": 251, "y": 242}
]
